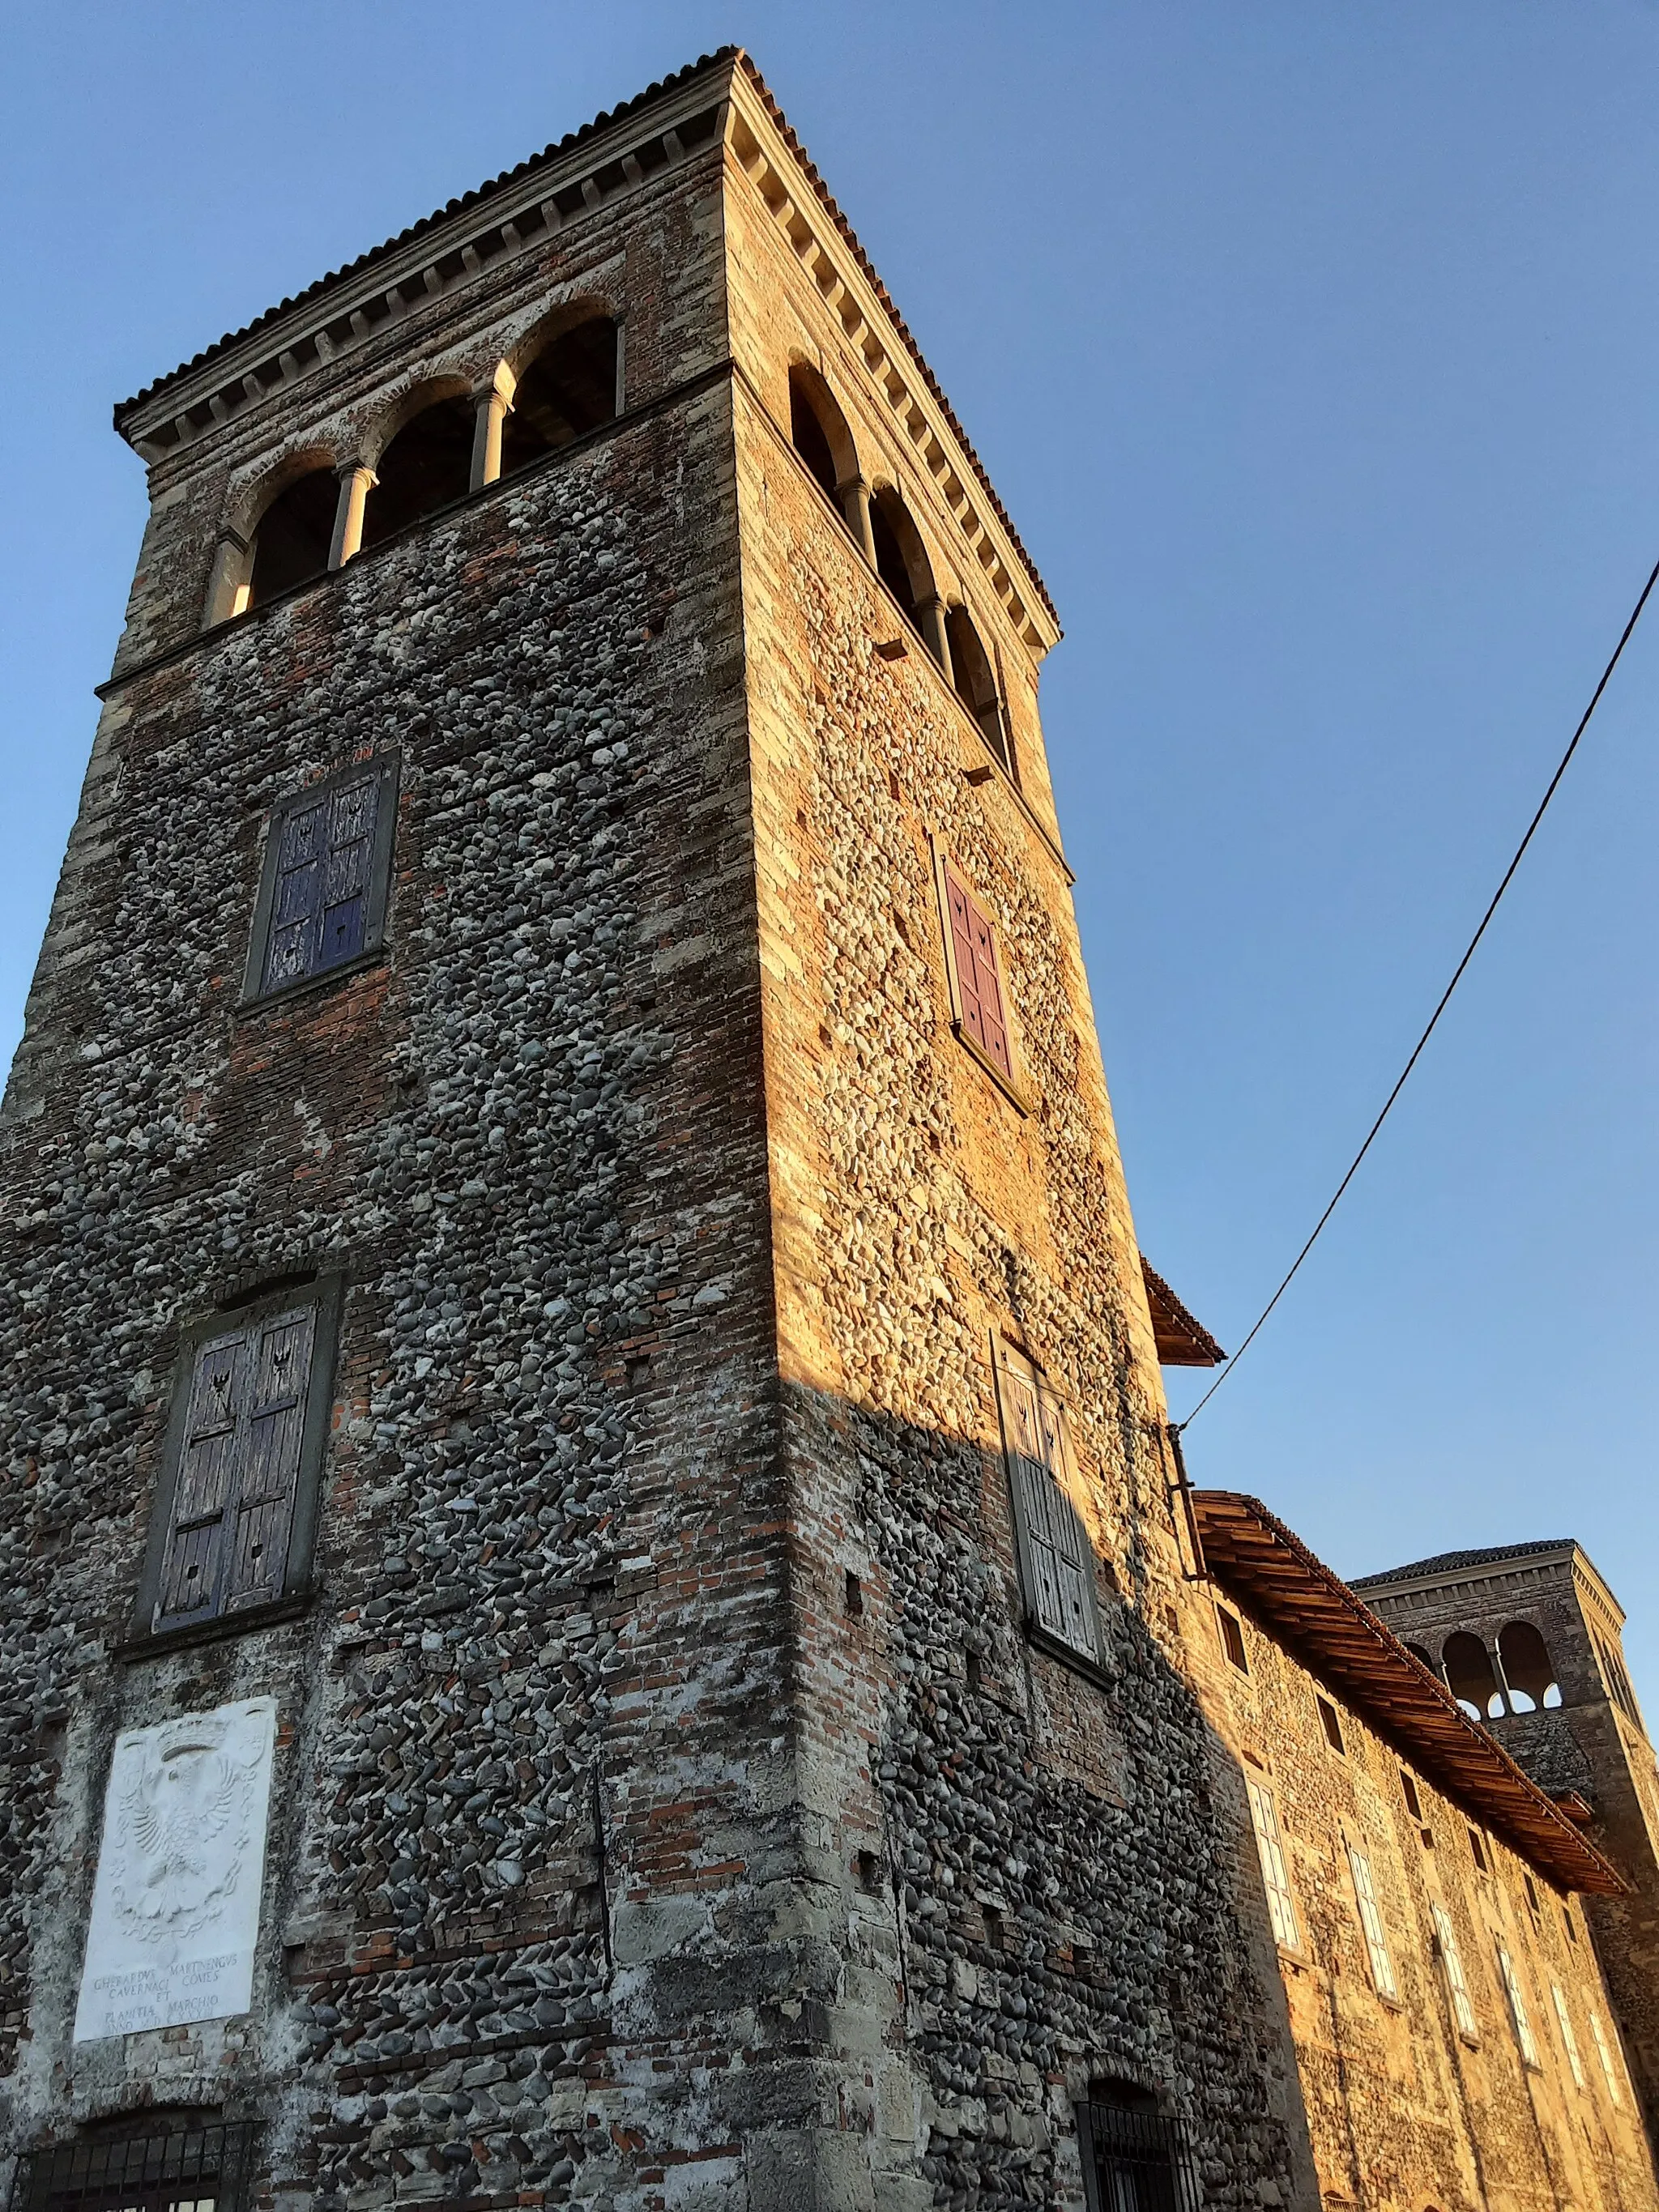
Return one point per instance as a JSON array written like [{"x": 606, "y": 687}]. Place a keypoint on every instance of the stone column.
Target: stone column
[
  {"x": 854, "y": 497},
  {"x": 492, "y": 410},
  {"x": 930, "y": 619},
  {"x": 227, "y": 588},
  {"x": 357, "y": 480}
]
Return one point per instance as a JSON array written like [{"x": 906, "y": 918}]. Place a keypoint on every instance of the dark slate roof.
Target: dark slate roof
[
  {"x": 652, "y": 92},
  {"x": 1447, "y": 1563}
]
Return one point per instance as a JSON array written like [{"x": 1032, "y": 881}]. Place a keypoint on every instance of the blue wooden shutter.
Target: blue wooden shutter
[{"x": 324, "y": 881}]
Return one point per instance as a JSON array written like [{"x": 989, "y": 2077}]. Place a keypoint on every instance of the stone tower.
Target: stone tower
[
  {"x": 1528, "y": 1637},
  {"x": 595, "y": 1603}
]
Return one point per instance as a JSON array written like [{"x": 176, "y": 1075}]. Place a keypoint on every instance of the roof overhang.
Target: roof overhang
[
  {"x": 1181, "y": 1340},
  {"x": 1295, "y": 1598}
]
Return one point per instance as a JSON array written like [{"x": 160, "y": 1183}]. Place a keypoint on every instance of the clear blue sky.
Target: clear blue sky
[{"x": 1314, "y": 349}]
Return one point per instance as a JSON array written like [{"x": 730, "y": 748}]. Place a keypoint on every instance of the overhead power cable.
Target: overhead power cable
[{"x": 1445, "y": 999}]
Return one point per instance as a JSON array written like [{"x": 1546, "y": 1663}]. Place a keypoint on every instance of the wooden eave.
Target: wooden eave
[
  {"x": 1181, "y": 1340},
  {"x": 1295, "y": 1600}
]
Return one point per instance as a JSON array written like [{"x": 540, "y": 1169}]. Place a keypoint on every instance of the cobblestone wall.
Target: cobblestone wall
[{"x": 1403, "y": 2107}]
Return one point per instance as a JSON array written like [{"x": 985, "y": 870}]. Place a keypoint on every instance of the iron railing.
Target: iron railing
[
  {"x": 177, "y": 2169},
  {"x": 1137, "y": 2160}
]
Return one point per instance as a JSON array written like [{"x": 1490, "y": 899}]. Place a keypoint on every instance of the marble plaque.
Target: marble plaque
[{"x": 175, "y": 1906}]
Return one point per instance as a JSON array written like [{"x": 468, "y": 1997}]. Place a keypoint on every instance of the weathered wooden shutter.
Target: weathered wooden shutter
[
  {"x": 280, "y": 1356},
  {"x": 1056, "y": 1556},
  {"x": 238, "y": 1472},
  {"x": 979, "y": 980},
  {"x": 207, "y": 1483},
  {"x": 325, "y": 874},
  {"x": 349, "y": 869}
]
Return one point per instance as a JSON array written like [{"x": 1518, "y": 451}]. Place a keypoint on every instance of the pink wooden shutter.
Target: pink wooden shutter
[{"x": 978, "y": 977}]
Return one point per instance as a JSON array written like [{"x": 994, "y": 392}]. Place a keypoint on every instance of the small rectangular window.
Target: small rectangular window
[
  {"x": 323, "y": 893},
  {"x": 1264, "y": 1819},
  {"x": 1451, "y": 1960},
  {"x": 1478, "y": 1852},
  {"x": 976, "y": 968},
  {"x": 1332, "y": 1726},
  {"x": 1604, "y": 2051},
  {"x": 1056, "y": 1557},
  {"x": 1572, "y": 1925},
  {"x": 1408, "y": 1791},
  {"x": 232, "y": 1522},
  {"x": 1569, "y": 2040},
  {"x": 1232, "y": 1638},
  {"x": 1370, "y": 1920},
  {"x": 1524, "y": 2034},
  {"x": 1530, "y": 1888}
]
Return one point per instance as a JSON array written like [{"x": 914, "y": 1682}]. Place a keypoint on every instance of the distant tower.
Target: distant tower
[
  {"x": 1528, "y": 1638},
  {"x": 593, "y": 1606}
]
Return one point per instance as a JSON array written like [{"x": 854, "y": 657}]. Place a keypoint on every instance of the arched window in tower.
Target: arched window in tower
[
  {"x": 290, "y": 545},
  {"x": 428, "y": 464},
  {"x": 1526, "y": 1670},
  {"x": 1419, "y": 1654},
  {"x": 1470, "y": 1678},
  {"x": 976, "y": 683},
  {"x": 818, "y": 431},
  {"x": 896, "y": 544},
  {"x": 567, "y": 390}
]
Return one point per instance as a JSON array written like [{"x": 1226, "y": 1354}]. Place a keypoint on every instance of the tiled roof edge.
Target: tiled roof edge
[
  {"x": 850, "y": 239},
  {"x": 1450, "y": 1562},
  {"x": 526, "y": 167}
]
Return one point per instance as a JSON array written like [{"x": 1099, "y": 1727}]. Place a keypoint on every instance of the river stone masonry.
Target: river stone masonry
[{"x": 670, "y": 1806}]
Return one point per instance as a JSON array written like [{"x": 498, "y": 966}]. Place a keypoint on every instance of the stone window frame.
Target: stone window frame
[
  {"x": 388, "y": 765},
  {"x": 1520, "y": 2019},
  {"x": 1263, "y": 1802},
  {"x": 325, "y": 1294},
  {"x": 1450, "y": 1953},
  {"x": 1012, "y": 1083},
  {"x": 1230, "y": 1630},
  {"x": 1361, "y": 1876},
  {"x": 1569, "y": 2037}
]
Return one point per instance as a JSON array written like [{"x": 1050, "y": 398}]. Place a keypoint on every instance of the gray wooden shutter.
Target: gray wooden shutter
[
  {"x": 238, "y": 1470},
  {"x": 280, "y": 1360},
  {"x": 208, "y": 1480},
  {"x": 1057, "y": 1559}
]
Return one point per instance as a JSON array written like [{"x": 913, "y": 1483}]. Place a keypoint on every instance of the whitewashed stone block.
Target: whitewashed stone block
[{"x": 175, "y": 1906}]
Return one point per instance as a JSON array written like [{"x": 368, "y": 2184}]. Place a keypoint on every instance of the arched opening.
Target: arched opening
[
  {"x": 1526, "y": 1670},
  {"x": 818, "y": 431},
  {"x": 975, "y": 681},
  {"x": 1470, "y": 1678},
  {"x": 428, "y": 464},
  {"x": 895, "y": 536},
  {"x": 1419, "y": 1654},
  {"x": 567, "y": 390},
  {"x": 291, "y": 544}
]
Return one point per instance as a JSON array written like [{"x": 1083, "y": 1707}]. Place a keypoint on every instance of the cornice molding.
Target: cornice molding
[
  {"x": 777, "y": 165},
  {"x": 554, "y": 192}
]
